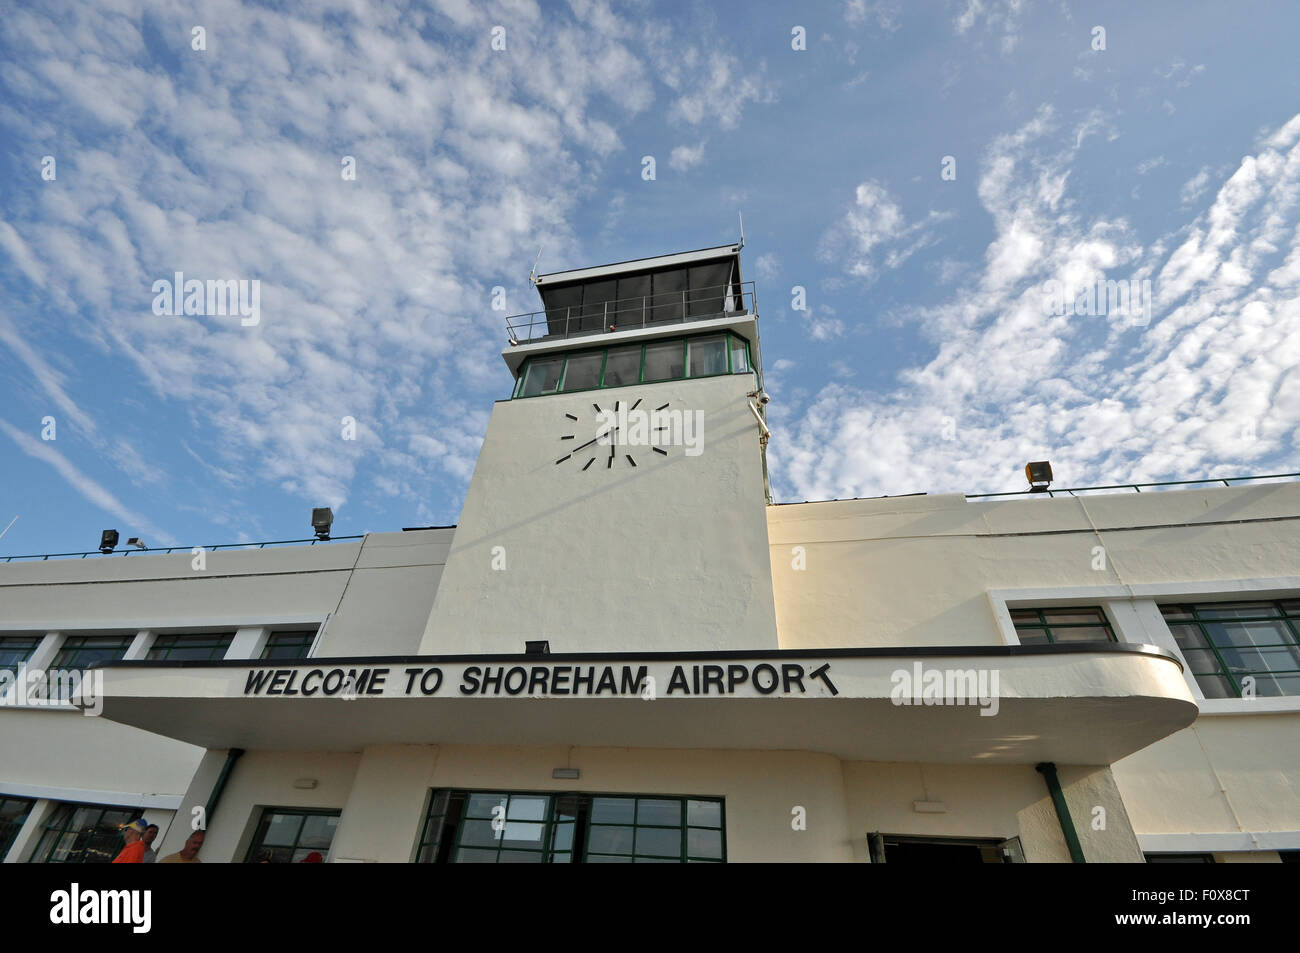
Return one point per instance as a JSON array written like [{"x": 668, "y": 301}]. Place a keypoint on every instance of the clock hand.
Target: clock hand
[{"x": 593, "y": 440}]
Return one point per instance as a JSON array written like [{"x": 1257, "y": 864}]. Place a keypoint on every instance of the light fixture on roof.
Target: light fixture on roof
[
  {"x": 108, "y": 541},
  {"x": 322, "y": 518},
  {"x": 1039, "y": 476},
  {"x": 137, "y": 542}
]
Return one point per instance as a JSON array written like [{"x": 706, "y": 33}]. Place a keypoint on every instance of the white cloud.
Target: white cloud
[
  {"x": 686, "y": 157},
  {"x": 1209, "y": 388},
  {"x": 767, "y": 266},
  {"x": 874, "y": 233},
  {"x": 90, "y": 490}
]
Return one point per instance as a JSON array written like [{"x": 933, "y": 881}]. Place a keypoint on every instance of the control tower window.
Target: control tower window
[
  {"x": 623, "y": 366},
  {"x": 583, "y": 371},
  {"x": 663, "y": 361},
  {"x": 708, "y": 355},
  {"x": 542, "y": 376}
]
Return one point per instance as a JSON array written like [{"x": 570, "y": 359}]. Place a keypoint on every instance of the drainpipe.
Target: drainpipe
[
  {"x": 1048, "y": 770},
  {"x": 233, "y": 755}
]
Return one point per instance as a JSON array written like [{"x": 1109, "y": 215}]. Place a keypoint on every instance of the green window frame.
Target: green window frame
[
  {"x": 79, "y": 651},
  {"x": 1062, "y": 624},
  {"x": 83, "y": 834},
  {"x": 17, "y": 649},
  {"x": 13, "y": 814},
  {"x": 1226, "y": 643},
  {"x": 289, "y": 645},
  {"x": 739, "y": 360},
  {"x": 288, "y": 835},
  {"x": 463, "y": 826},
  {"x": 197, "y": 647}
]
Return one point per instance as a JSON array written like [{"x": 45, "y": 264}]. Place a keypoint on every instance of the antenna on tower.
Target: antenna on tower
[
  {"x": 532, "y": 273},
  {"x": 742, "y": 227}
]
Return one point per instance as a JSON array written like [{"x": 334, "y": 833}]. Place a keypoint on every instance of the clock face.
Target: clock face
[{"x": 607, "y": 437}]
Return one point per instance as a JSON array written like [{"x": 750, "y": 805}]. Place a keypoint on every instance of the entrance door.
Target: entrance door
[{"x": 904, "y": 849}]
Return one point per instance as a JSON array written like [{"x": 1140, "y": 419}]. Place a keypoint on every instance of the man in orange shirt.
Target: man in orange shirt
[{"x": 133, "y": 852}]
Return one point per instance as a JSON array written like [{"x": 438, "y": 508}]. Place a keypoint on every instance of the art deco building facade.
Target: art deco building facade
[{"x": 625, "y": 652}]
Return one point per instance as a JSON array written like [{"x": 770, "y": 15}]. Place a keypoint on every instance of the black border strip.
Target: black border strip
[{"x": 921, "y": 651}]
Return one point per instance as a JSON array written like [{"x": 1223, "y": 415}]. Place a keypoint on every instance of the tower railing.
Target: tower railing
[{"x": 626, "y": 314}]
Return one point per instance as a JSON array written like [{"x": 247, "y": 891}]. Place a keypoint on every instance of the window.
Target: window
[
  {"x": 582, "y": 371},
  {"x": 289, "y": 644},
  {"x": 287, "y": 835},
  {"x": 1240, "y": 649},
  {"x": 14, "y": 650},
  {"x": 623, "y": 366},
  {"x": 79, "y": 651},
  {"x": 511, "y": 827},
  {"x": 1042, "y": 626},
  {"x": 710, "y": 354},
  {"x": 13, "y": 814},
  {"x": 541, "y": 376},
  {"x": 197, "y": 647},
  {"x": 83, "y": 834}
]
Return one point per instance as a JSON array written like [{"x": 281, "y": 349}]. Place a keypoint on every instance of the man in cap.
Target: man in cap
[{"x": 133, "y": 834}]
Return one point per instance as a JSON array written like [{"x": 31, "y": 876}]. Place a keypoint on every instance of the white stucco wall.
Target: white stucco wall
[{"x": 670, "y": 554}]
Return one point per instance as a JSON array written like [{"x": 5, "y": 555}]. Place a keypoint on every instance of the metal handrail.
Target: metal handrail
[
  {"x": 171, "y": 549},
  {"x": 623, "y": 314},
  {"x": 1136, "y": 487}
]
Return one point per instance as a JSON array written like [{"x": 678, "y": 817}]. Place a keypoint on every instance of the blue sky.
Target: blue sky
[{"x": 926, "y": 359}]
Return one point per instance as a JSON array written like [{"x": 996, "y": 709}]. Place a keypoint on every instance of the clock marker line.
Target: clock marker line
[
  {"x": 637, "y": 404},
  {"x": 589, "y": 463},
  {"x": 629, "y": 459},
  {"x": 657, "y": 409},
  {"x": 657, "y": 450},
  {"x": 562, "y": 459},
  {"x": 571, "y": 417}
]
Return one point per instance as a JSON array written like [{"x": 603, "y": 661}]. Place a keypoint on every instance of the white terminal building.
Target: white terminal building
[{"x": 625, "y": 652}]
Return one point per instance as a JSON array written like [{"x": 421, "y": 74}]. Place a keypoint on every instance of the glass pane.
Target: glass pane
[
  {"x": 704, "y": 813},
  {"x": 1249, "y": 633},
  {"x": 1031, "y": 636},
  {"x": 701, "y": 843},
  {"x": 583, "y": 371},
  {"x": 708, "y": 288},
  {"x": 1073, "y": 616},
  {"x": 563, "y": 309},
  {"x": 467, "y": 855},
  {"x": 481, "y": 805},
  {"x": 318, "y": 832},
  {"x": 518, "y": 834},
  {"x": 520, "y": 857},
  {"x": 1081, "y": 633},
  {"x": 664, "y": 361},
  {"x": 1202, "y": 661},
  {"x": 282, "y": 830},
  {"x": 633, "y": 301},
  {"x": 1189, "y": 637},
  {"x": 659, "y": 841},
  {"x": 669, "y": 295},
  {"x": 739, "y": 356},
  {"x": 563, "y": 838},
  {"x": 1280, "y": 659},
  {"x": 562, "y": 858},
  {"x": 1271, "y": 686},
  {"x": 607, "y": 859},
  {"x": 623, "y": 366},
  {"x": 1238, "y": 610},
  {"x": 659, "y": 812},
  {"x": 613, "y": 810},
  {"x": 479, "y": 834},
  {"x": 1215, "y": 686},
  {"x": 656, "y": 860},
  {"x": 542, "y": 376},
  {"x": 610, "y": 840},
  {"x": 708, "y": 356},
  {"x": 1177, "y": 612},
  {"x": 1026, "y": 615},
  {"x": 597, "y": 302}
]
